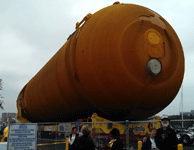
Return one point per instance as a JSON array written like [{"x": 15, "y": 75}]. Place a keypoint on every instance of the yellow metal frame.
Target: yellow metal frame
[
  {"x": 20, "y": 118},
  {"x": 78, "y": 24}
]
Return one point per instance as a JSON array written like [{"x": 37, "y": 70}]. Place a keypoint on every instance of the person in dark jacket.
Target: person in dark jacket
[
  {"x": 166, "y": 138},
  {"x": 2, "y": 128},
  {"x": 72, "y": 137},
  {"x": 149, "y": 143},
  {"x": 85, "y": 141},
  {"x": 116, "y": 143}
]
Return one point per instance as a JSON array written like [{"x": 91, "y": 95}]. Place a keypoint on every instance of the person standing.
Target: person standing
[
  {"x": 73, "y": 136},
  {"x": 2, "y": 128},
  {"x": 166, "y": 138},
  {"x": 5, "y": 135},
  {"x": 149, "y": 143},
  {"x": 85, "y": 141},
  {"x": 115, "y": 143}
]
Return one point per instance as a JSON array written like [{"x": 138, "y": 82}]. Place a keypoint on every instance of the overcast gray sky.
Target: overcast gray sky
[{"x": 31, "y": 32}]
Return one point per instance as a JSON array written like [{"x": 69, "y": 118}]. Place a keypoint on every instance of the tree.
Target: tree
[{"x": 1, "y": 88}]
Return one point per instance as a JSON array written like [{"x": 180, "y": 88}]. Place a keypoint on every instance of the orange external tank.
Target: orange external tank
[{"x": 124, "y": 62}]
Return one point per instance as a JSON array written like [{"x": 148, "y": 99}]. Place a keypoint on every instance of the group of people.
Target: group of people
[
  {"x": 85, "y": 141},
  {"x": 82, "y": 142},
  {"x": 162, "y": 139}
]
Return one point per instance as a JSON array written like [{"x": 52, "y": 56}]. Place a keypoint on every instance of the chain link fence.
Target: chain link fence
[{"x": 53, "y": 135}]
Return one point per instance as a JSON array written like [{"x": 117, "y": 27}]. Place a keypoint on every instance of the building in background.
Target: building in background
[
  {"x": 8, "y": 117},
  {"x": 191, "y": 113}
]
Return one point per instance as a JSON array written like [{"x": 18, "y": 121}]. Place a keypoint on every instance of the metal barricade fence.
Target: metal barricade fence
[
  {"x": 131, "y": 132},
  {"x": 53, "y": 135}
]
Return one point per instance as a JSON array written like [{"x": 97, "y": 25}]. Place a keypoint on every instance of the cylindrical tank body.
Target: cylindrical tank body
[{"x": 104, "y": 68}]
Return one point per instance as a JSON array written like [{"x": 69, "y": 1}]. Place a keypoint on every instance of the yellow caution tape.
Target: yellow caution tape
[{"x": 51, "y": 143}]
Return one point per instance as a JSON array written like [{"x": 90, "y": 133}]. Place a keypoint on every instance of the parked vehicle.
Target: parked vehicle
[{"x": 185, "y": 136}]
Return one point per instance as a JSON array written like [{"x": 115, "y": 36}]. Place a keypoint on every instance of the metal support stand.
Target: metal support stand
[
  {"x": 78, "y": 125},
  {"x": 127, "y": 134}
]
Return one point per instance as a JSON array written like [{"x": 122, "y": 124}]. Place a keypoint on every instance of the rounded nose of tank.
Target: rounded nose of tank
[
  {"x": 154, "y": 47},
  {"x": 151, "y": 49}
]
